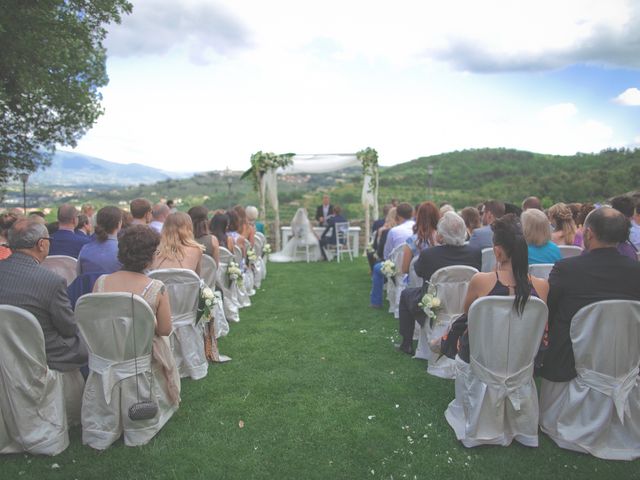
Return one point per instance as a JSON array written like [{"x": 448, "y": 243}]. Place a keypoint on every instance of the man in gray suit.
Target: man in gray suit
[
  {"x": 483, "y": 237},
  {"x": 28, "y": 285}
]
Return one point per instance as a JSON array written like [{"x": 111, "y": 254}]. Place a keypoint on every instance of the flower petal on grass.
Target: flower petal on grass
[{"x": 241, "y": 424}]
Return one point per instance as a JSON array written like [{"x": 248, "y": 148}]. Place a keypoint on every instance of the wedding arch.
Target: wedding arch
[{"x": 266, "y": 166}]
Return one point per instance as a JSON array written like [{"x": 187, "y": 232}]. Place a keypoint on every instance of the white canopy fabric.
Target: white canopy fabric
[{"x": 317, "y": 163}]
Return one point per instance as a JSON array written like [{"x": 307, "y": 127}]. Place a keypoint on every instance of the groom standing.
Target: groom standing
[{"x": 323, "y": 211}]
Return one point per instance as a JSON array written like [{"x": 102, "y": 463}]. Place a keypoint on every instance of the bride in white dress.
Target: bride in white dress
[{"x": 302, "y": 235}]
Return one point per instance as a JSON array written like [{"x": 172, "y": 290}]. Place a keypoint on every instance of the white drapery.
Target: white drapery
[{"x": 318, "y": 163}]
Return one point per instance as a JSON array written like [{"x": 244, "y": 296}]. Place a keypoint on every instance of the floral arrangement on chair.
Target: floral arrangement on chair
[
  {"x": 206, "y": 301},
  {"x": 252, "y": 257},
  {"x": 430, "y": 303},
  {"x": 388, "y": 269},
  {"x": 234, "y": 272},
  {"x": 266, "y": 249}
]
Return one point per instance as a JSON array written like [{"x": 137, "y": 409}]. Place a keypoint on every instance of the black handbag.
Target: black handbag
[{"x": 147, "y": 409}]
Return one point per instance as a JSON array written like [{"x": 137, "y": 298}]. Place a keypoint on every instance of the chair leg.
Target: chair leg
[{"x": 307, "y": 248}]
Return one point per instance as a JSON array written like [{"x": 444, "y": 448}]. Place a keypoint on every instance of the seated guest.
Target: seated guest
[
  {"x": 65, "y": 241},
  {"x": 535, "y": 226},
  {"x": 252, "y": 217},
  {"x": 38, "y": 217},
  {"x": 380, "y": 221},
  {"x": 380, "y": 237},
  {"x": 600, "y": 273},
  {"x": 233, "y": 231},
  {"x": 585, "y": 209},
  {"x": 218, "y": 227},
  {"x": 471, "y": 218},
  {"x": 6, "y": 221},
  {"x": 481, "y": 237},
  {"x": 328, "y": 237},
  {"x": 424, "y": 233},
  {"x": 452, "y": 251},
  {"x": 28, "y": 285},
  {"x": 397, "y": 236},
  {"x": 140, "y": 209},
  {"x": 199, "y": 218},
  {"x": 512, "y": 208},
  {"x": 88, "y": 210},
  {"x": 564, "y": 228},
  {"x": 510, "y": 278},
  {"x": 84, "y": 225},
  {"x": 178, "y": 248},
  {"x": 159, "y": 214},
  {"x": 136, "y": 251},
  {"x": 100, "y": 255},
  {"x": 171, "y": 205},
  {"x": 245, "y": 229},
  {"x": 531, "y": 202},
  {"x": 625, "y": 205},
  {"x": 323, "y": 211}
]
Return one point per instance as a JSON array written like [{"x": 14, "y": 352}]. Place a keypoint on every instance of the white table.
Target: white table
[{"x": 354, "y": 236}]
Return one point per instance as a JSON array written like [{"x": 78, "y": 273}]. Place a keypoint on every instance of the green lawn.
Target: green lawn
[{"x": 321, "y": 394}]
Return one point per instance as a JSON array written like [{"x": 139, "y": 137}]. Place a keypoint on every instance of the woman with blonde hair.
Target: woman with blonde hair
[
  {"x": 178, "y": 248},
  {"x": 537, "y": 233},
  {"x": 564, "y": 228}
]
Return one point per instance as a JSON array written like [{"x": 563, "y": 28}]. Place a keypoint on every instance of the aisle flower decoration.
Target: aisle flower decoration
[
  {"x": 251, "y": 256},
  {"x": 388, "y": 269},
  {"x": 206, "y": 302},
  {"x": 430, "y": 304},
  {"x": 266, "y": 249},
  {"x": 234, "y": 272}
]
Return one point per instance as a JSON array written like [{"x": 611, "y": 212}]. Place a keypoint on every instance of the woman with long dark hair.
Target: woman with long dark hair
[
  {"x": 199, "y": 217},
  {"x": 510, "y": 278},
  {"x": 100, "y": 255},
  {"x": 218, "y": 226},
  {"x": 424, "y": 233}
]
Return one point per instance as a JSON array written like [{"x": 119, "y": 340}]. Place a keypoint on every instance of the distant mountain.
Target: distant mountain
[{"x": 69, "y": 169}]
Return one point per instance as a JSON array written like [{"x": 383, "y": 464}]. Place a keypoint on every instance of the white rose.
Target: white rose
[
  {"x": 208, "y": 302},
  {"x": 435, "y": 302},
  {"x": 207, "y": 293}
]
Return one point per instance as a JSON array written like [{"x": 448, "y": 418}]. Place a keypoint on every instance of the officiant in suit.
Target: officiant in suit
[
  {"x": 324, "y": 211},
  {"x": 328, "y": 237}
]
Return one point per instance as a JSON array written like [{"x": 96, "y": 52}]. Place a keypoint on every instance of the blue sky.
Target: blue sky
[{"x": 201, "y": 84}]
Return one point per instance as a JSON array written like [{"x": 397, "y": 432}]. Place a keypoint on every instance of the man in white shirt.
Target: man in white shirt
[
  {"x": 159, "y": 214},
  {"x": 397, "y": 236}
]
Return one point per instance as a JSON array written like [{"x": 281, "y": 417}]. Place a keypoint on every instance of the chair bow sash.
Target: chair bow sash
[
  {"x": 618, "y": 388},
  {"x": 183, "y": 319},
  {"x": 113, "y": 372},
  {"x": 510, "y": 386}
]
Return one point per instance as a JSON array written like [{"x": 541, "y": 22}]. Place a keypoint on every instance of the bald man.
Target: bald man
[{"x": 65, "y": 241}]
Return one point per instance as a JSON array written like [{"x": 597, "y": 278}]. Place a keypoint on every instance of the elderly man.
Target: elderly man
[
  {"x": 159, "y": 213},
  {"x": 601, "y": 273},
  {"x": 65, "y": 241},
  {"x": 452, "y": 251},
  {"x": 397, "y": 236},
  {"x": 483, "y": 237},
  {"x": 28, "y": 285},
  {"x": 140, "y": 209}
]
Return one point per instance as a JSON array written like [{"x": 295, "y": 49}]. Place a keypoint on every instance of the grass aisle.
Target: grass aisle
[{"x": 315, "y": 390}]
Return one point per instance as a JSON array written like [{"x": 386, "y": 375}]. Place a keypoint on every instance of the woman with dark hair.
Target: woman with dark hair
[
  {"x": 471, "y": 218},
  {"x": 100, "y": 255},
  {"x": 510, "y": 278},
  {"x": 199, "y": 218},
  {"x": 424, "y": 233},
  {"x": 233, "y": 230},
  {"x": 218, "y": 226},
  {"x": 136, "y": 251}
]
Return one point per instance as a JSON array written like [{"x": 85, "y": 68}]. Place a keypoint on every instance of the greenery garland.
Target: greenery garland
[
  {"x": 369, "y": 160},
  {"x": 261, "y": 162}
]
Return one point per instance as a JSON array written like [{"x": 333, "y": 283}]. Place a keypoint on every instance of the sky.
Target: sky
[{"x": 198, "y": 85}]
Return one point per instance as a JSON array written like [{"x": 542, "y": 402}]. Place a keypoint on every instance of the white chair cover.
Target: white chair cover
[
  {"x": 258, "y": 265},
  {"x": 598, "y": 412},
  {"x": 208, "y": 274},
  {"x": 414, "y": 279},
  {"x": 395, "y": 286},
  {"x": 187, "y": 338},
  {"x": 263, "y": 259},
  {"x": 541, "y": 270},
  {"x": 63, "y": 265},
  {"x": 230, "y": 302},
  {"x": 33, "y": 413},
  {"x": 450, "y": 284},
  {"x": 106, "y": 321},
  {"x": 488, "y": 260},
  {"x": 569, "y": 250},
  {"x": 243, "y": 291},
  {"x": 496, "y": 399}
]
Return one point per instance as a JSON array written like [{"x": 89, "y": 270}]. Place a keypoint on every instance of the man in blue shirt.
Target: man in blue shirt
[{"x": 65, "y": 241}]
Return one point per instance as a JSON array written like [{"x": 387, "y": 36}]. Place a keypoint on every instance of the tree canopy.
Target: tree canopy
[{"x": 52, "y": 64}]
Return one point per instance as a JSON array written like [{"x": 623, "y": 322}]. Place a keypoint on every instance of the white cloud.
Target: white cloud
[
  {"x": 558, "y": 113},
  {"x": 630, "y": 97}
]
